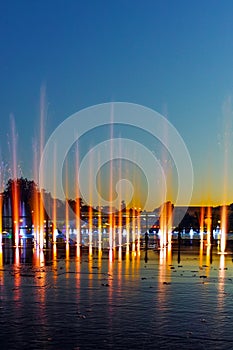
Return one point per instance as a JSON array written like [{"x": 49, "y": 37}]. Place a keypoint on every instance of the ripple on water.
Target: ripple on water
[{"x": 126, "y": 305}]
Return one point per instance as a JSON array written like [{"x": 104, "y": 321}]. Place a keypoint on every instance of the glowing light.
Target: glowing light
[
  {"x": 223, "y": 229},
  {"x": 169, "y": 254},
  {"x": 209, "y": 224},
  {"x": 15, "y": 190},
  {"x": 90, "y": 213},
  {"x": 165, "y": 224},
  {"x": 35, "y": 200},
  {"x": 169, "y": 223},
  {"x": 110, "y": 256},
  {"x": 201, "y": 253},
  {"x": 77, "y": 207},
  {"x": 133, "y": 230},
  {"x": 67, "y": 224},
  {"x": 202, "y": 213},
  {"x": 120, "y": 221},
  {"x": 120, "y": 253},
  {"x": 54, "y": 213},
  {"x": 208, "y": 257},
  {"x": 1, "y": 256},
  {"x": 43, "y": 110},
  {"x": 127, "y": 219},
  {"x": 90, "y": 217},
  {"x": 67, "y": 252},
  {"x": 99, "y": 231},
  {"x": 17, "y": 259},
  {"x": 15, "y": 200},
  {"x": 139, "y": 230},
  {"x": 1, "y": 205}
]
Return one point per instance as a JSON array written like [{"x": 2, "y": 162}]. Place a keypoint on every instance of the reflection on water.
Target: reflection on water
[{"x": 167, "y": 299}]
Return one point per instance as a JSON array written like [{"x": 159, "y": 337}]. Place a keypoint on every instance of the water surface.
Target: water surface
[{"x": 164, "y": 300}]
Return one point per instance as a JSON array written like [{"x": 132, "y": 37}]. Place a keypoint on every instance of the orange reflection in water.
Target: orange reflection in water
[
  {"x": 165, "y": 262},
  {"x": 208, "y": 259},
  {"x": 78, "y": 277},
  {"x": 164, "y": 276},
  {"x": 17, "y": 277},
  {"x": 41, "y": 284},
  {"x": 120, "y": 253},
  {"x": 221, "y": 282},
  {"x": 67, "y": 258},
  {"x": 127, "y": 264},
  {"x": 201, "y": 253},
  {"x": 38, "y": 257},
  {"x": 169, "y": 254},
  {"x": 111, "y": 255},
  {"x": 55, "y": 262},
  {"x": 90, "y": 270}
]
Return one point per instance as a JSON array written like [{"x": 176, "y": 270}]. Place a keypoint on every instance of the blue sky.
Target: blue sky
[{"x": 173, "y": 56}]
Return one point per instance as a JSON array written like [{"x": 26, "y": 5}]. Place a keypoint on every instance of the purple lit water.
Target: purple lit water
[{"x": 128, "y": 304}]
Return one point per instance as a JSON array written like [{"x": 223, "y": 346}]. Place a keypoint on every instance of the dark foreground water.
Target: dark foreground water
[{"x": 168, "y": 302}]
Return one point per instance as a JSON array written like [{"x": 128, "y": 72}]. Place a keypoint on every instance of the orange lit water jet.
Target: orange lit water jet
[
  {"x": 77, "y": 206},
  {"x": 201, "y": 253},
  {"x": 169, "y": 223},
  {"x": 42, "y": 137},
  {"x": 54, "y": 211},
  {"x": 133, "y": 229},
  {"x": 90, "y": 213},
  {"x": 99, "y": 231},
  {"x": 227, "y": 109},
  {"x": 90, "y": 230},
  {"x": 223, "y": 229},
  {"x": 127, "y": 226},
  {"x": 1, "y": 260},
  {"x": 67, "y": 223},
  {"x": 111, "y": 185},
  {"x": 99, "y": 223},
  {"x": 165, "y": 224},
  {"x": 139, "y": 230},
  {"x": 209, "y": 224},
  {"x": 1, "y": 207},
  {"x": 120, "y": 219},
  {"x": 15, "y": 189},
  {"x": 67, "y": 252},
  {"x": 202, "y": 213},
  {"x": 35, "y": 200}
]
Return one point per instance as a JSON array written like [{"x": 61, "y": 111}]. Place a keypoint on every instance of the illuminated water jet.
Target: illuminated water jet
[
  {"x": 209, "y": 225},
  {"x": 202, "y": 224},
  {"x": 15, "y": 189},
  {"x": 223, "y": 229}
]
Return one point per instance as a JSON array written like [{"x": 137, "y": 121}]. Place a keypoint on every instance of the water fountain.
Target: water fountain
[{"x": 122, "y": 228}]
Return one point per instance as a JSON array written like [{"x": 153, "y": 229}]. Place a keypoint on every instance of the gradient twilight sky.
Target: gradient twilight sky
[{"x": 175, "y": 57}]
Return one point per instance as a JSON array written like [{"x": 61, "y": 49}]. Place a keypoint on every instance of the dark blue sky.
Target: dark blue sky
[{"x": 173, "y": 56}]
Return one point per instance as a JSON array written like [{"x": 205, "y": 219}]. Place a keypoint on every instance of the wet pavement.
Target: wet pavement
[{"x": 159, "y": 300}]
